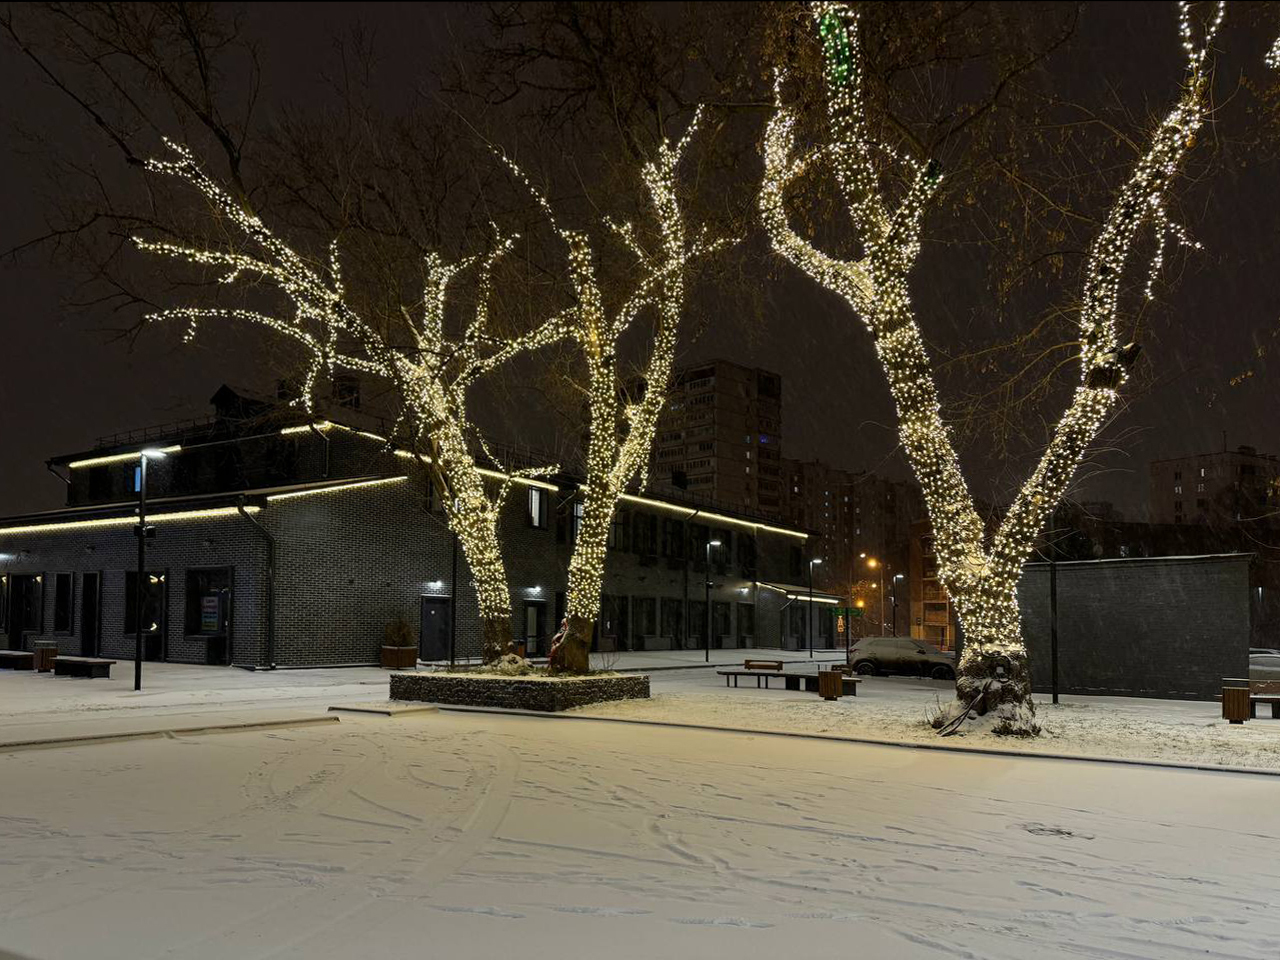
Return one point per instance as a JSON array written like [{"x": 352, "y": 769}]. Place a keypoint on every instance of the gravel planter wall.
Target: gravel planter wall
[{"x": 517, "y": 693}]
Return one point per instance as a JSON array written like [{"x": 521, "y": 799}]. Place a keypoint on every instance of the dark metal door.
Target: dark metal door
[{"x": 433, "y": 639}]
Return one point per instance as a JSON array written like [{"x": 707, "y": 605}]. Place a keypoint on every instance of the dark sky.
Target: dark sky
[{"x": 64, "y": 382}]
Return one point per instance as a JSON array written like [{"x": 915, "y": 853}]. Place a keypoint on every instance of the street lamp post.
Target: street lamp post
[
  {"x": 875, "y": 564},
  {"x": 706, "y": 601},
  {"x": 143, "y": 532},
  {"x": 808, "y": 619},
  {"x": 894, "y": 585}
]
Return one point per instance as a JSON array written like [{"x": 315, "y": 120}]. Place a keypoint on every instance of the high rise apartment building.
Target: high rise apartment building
[
  {"x": 1208, "y": 488},
  {"x": 719, "y": 437}
]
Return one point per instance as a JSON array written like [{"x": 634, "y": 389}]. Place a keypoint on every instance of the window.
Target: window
[
  {"x": 1199, "y": 488},
  {"x": 1177, "y": 474},
  {"x": 136, "y": 485},
  {"x": 535, "y": 622},
  {"x": 1177, "y": 488},
  {"x": 575, "y": 524},
  {"x": 537, "y": 508},
  {"x": 672, "y": 618},
  {"x": 208, "y": 603},
  {"x": 618, "y": 530},
  {"x": 28, "y": 602},
  {"x": 746, "y": 622},
  {"x": 646, "y": 616},
  {"x": 644, "y": 539},
  {"x": 4, "y": 603},
  {"x": 152, "y": 602},
  {"x": 1202, "y": 471},
  {"x": 720, "y": 617},
  {"x": 62, "y": 602},
  {"x": 698, "y": 621},
  {"x": 673, "y": 539}
]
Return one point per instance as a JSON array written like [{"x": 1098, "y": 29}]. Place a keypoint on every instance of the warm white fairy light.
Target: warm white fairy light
[
  {"x": 431, "y": 378},
  {"x": 1273, "y": 55},
  {"x": 620, "y": 435},
  {"x": 981, "y": 581}
]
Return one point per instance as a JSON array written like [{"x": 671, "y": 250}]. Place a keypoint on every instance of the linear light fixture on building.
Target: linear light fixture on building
[
  {"x": 801, "y": 596},
  {"x": 691, "y": 511},
  {"x": 335, "y": 488},
  {"x": 127, "y": 521},
  {"x": 119, "y": 457},
  {"x": 330, "y": 425}
]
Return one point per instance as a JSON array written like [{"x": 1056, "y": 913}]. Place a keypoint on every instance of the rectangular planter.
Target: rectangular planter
[{"x": 517, "y": 693}]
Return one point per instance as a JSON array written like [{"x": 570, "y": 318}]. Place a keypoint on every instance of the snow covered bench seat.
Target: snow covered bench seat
[
  {"x": 775, "y": 665},
  {"x": 17, "y": 659},
  {"x": 790, "y": 681},
  {"x": 93, "y": 667}
]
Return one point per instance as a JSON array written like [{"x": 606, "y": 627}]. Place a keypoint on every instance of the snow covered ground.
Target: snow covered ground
[
  {"x": 476, "y": 836},
  {"x": 897, "y": 709}
]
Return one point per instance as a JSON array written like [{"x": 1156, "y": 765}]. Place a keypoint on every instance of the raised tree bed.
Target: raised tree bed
[{"x": 548, "y": 694}]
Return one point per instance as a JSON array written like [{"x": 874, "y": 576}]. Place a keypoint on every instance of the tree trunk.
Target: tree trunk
[
  {"x": 572, "y": 654},
  {"x": 993, "y": 674},
  {"x": 496, "y": 638}
]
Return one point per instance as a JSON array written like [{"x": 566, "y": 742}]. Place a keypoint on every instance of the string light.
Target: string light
[
  {"x": 982, "y": 582},
  {"x": 620, "y": 434},
  {"x": 430, "y": 378}
]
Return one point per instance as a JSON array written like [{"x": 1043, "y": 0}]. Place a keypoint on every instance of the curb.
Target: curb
[
  {"x": 868, "y": 741},
  {"x": 50, "y": 742}
]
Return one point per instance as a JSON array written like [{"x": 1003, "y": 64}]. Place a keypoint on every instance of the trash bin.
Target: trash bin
[{"x": 45, "y": 651}]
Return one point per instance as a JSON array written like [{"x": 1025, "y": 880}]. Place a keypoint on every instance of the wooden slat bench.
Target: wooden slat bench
[
  {"x": 791, "y": 681},
  {"x": 1240, "y": 698},
  {"x": 93, "y": 667},
  {"x": 17, "y": 659},
  {"x": 774, "y": 665}
]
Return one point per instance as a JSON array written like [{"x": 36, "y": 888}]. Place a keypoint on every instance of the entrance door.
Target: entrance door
[
  {"x": 90, "y": 609},
  {"x": 25, "y": 613},
  {"x": 433, "y": 640}
]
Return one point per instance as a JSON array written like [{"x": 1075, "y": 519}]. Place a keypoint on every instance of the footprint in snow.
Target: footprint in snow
[
  {"x": 1043, "y": 830},
  {"x": 721, "y": 922}
]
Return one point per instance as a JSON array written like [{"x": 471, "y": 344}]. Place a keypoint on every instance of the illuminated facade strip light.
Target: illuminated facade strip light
[
  {"x": 117, "y": 458},
  {"x": 805, "y": 598},
  {"x": 127, "y": 521},
  {"x": 527, "y": 481},
  {"x": 335, "y": 488},
  {"x": 692, "y": 511}
]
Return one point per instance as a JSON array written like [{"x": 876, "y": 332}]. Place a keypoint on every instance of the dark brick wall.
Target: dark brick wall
[
  {"x": 225, "y": 541},
  {"x": 1168, "y": 627}
]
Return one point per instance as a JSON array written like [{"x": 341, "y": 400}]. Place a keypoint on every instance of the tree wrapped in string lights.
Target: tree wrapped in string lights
[
  {"x": 981, "y": 574},
  {"x": 429, "y": 369},
  {"x": 621, "y": 430}
]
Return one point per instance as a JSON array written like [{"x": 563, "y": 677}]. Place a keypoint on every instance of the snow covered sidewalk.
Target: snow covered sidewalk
[{"x": 896, "y": 710}]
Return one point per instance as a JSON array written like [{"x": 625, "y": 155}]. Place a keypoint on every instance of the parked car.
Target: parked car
[
  {"x": 872, "y": 655},
  {"x": 1264, "y": 666},
  {"x": 1253, "y": 650}
]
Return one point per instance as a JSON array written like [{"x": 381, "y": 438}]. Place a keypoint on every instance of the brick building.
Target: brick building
[
  {"x": 281, "y": 541},
  {"x": 720, "y": 437}
]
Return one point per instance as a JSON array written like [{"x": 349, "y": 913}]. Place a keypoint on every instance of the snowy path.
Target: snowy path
[{"x": 468, "y": 836}]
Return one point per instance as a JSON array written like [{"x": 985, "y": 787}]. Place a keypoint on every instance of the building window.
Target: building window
[
  {"x": 62, "y": 602},
  {"x": 645, "y": 611},
  {"x": 152, "y": 602},
  {"x": 618, "y": 530},
  {"x": 28, "y": 602},
  {"x": 575, "y": 525},
  {"x": 1177, "y": 488},
  {"x": 538, "y": 508},
  {"x": 208, "y": 603},
  {"x": 673, "y": 539},
  {"x": 1199, "y": 488},
  {"x": 672, "y": 618},
  {"x": 1177, "y": 474},
  {"x": 1202, "y": 471},
  {"x": 136, "y": 486}
]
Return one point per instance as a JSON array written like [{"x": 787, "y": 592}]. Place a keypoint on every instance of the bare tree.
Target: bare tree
[
  {"x": 980, "y": 573},
  {"x": 429, "y": 370}
]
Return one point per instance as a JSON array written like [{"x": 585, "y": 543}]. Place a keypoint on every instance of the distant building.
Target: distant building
[
  {"x": 720, "y": 437},
  {"x": 1210, "y": 487}
]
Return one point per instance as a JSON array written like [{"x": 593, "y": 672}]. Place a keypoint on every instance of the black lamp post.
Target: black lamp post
[
  {"x": 706, "y": 602},
  {"x": 808, "y": 620},
  {"x": 894, "y": 588},
  {"x": 143, "y": 532}
]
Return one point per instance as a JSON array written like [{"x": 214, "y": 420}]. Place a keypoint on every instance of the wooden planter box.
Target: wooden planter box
[
  {"x": 517, "y": 693},
  {"x": 399, "y": 658}
]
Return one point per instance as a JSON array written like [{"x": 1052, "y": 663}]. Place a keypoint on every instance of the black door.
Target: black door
[
  {"x": 90, "y": 606},
  {"x": 433, "y": 640},
  {"x": 15, "y": 613}
]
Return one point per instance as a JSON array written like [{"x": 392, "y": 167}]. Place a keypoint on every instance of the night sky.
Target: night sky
[{"x": 65, "y": 382}]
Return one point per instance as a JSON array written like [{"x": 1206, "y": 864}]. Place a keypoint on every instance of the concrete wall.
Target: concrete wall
[{"x": 1168, "y": 627}]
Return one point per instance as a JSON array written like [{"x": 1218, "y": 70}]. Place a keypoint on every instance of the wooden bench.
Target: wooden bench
[
  {"x": 92, "y": 667},
  {"x": 1240, "y": 699},
  {"x": 791, "y": 681},
  {"x": 17, "y": 659},
  {"x": 774, "y": 665}
]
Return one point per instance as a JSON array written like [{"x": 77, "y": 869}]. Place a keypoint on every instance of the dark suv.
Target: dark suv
[{"x": 872, "y": 655}]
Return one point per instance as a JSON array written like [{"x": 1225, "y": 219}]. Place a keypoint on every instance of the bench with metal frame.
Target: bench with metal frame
[
  {"x": 791, "y": 681},
  {"x": 17, "y": 659},
  {"x": 1240, "y": 698}
]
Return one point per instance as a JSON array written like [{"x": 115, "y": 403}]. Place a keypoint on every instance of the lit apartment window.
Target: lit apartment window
[
  {"x": 1177, "y": 488},
  {"x": 1199, "y": 488},
  {"x": 1202, "y": 471},
  {"x": 537, "y": 507}
]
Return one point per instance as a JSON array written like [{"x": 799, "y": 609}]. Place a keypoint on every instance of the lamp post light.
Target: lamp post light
[
  {"x": 143, "y": 532},
  {"x": 706, "y": 600},
  {"x": 896, "y": 578},
  {"x": 875, "y": 564},
  {"x": 808, "y": 620}
]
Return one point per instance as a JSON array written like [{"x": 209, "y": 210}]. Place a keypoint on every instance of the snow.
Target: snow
[
  {"x": 898, "y": 710},
  {"x": 479, "y": 836},
  {"x": 467, "y": 835}
]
